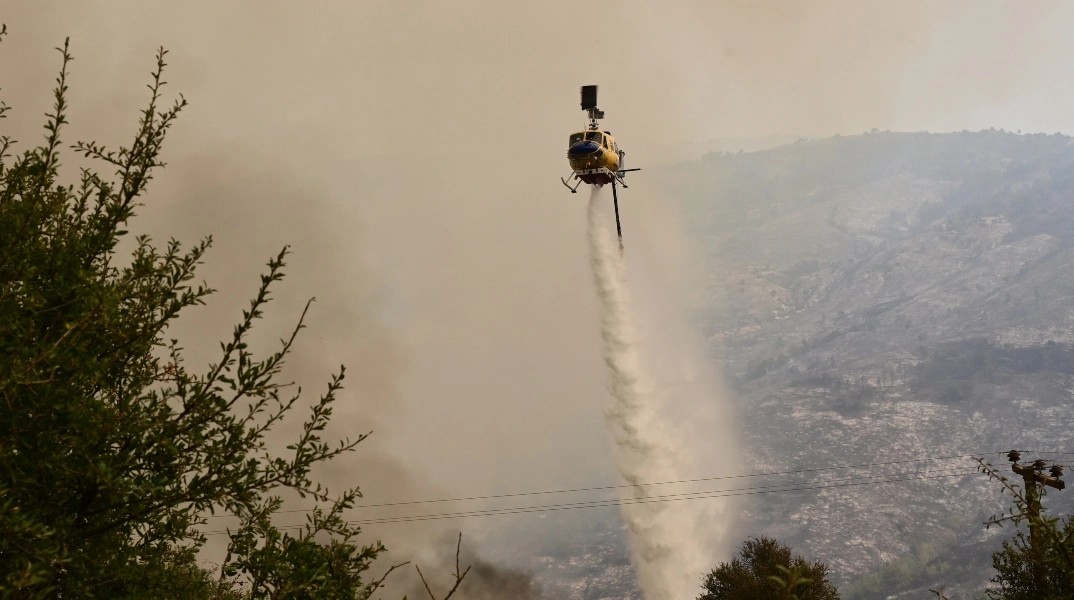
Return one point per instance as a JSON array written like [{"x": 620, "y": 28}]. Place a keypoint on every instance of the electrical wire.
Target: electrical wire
[
  {"x": 752, "y": 490},
  {"x": 662, "y": 498},
  {"x": 655, "y": 483},
  {"x": 674, "y": 482}
]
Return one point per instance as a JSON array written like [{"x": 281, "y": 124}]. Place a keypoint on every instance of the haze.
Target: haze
[{"x": 409, "y": 152}]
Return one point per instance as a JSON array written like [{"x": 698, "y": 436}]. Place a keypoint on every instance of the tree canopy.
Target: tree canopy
[
  {"x": 764, "y": 569},
  {"x": 113, "y": 450},
  {"x": 1038, "y": 565}
]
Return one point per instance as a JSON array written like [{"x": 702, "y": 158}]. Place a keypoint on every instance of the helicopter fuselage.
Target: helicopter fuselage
[{"x": 594, "y": 156}]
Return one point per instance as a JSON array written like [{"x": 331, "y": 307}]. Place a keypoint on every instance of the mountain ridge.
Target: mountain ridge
[{"x": 889, "y": 295}]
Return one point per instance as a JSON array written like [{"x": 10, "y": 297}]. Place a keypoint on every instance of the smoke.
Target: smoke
[
  {"x": 483, "y": 581},
  {"x": 379, "y": 138},
  {"x": 434, "y": 567},
  {"x": 664, "y": 420},
  {"x": 488, "y": 581}
]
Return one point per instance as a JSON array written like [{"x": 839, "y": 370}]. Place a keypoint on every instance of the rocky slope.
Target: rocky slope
[{"x": 890, "y": 297}]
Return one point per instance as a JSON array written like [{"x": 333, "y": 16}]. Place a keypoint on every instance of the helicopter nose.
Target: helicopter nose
[{"x": 583, "y": 147}]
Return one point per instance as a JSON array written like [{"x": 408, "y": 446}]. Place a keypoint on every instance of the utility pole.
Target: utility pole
[{"x": 1035, "y": 480}]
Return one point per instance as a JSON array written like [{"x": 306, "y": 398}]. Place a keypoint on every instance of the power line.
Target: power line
[
  {"x": 749, "y": 491},
  {"x": 754, "y": 490},
  {"x": 655, "y": 483},
  {"x": 679, "y": 481}
]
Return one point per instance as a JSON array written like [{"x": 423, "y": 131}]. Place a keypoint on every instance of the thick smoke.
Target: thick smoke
[
  {"x": 483, "y": 579},
  {"x": 462, "y": 311},
  {"x": 663, "y": 419}
]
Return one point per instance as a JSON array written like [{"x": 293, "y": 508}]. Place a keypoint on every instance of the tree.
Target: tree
[
  {"x": 764, "y": 569},
  {"x": 1014, "y": 569},
  {"x": 1022, "y": 571},
  {"x": 113, "y": 451}
]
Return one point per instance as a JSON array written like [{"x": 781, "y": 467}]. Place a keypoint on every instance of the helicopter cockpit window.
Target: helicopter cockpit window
[
  {"x": 575, "y": 138},
  {"x": 595, "y": 136}
]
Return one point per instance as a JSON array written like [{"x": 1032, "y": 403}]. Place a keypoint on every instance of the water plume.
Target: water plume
[{"x": 663, "y": 418}]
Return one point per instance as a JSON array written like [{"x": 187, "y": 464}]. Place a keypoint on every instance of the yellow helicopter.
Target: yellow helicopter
[{"x": 594, "y": 156}]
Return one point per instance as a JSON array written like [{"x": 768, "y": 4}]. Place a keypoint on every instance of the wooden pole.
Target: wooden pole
[{"x": 1035, "y": 480}]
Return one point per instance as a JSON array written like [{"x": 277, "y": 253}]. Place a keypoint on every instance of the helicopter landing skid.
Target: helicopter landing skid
[
  {"x": 574, "y": 190},
  {"x": 598, "y": 177}
]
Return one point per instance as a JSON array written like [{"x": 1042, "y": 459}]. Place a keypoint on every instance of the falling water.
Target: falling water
[{"x": 664, "y": 421}]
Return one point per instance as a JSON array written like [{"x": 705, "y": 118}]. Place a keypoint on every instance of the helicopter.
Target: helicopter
[{"x": 594, "y": 156}]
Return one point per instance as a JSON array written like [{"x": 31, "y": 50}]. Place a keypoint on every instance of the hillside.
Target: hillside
[{"x": 888, "y": 297}]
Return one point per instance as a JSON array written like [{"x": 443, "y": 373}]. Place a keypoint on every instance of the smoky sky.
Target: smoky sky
[
  {"x": 370, "y": 76},
  {"x": 410, "y": 154}
]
